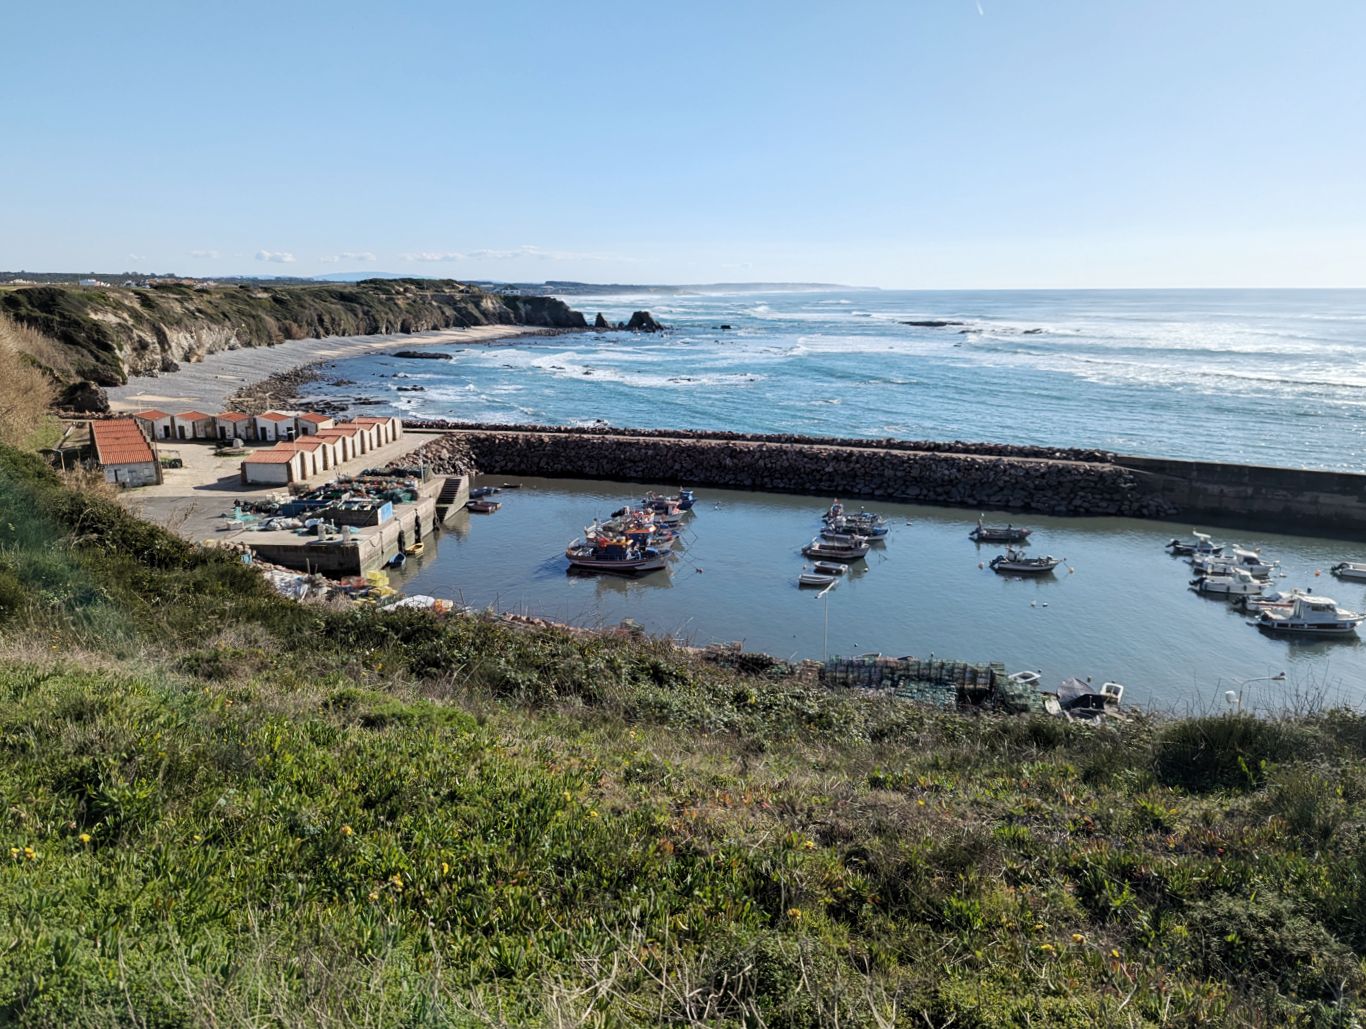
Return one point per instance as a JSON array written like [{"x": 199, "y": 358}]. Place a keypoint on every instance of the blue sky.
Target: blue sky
[{"x": 903, "y": 143}]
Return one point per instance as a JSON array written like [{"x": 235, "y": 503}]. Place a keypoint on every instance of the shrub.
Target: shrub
[{"x": 1225, "y": 751}]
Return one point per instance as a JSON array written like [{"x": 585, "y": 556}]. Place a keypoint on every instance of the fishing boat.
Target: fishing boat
[
  {"x": 1200, "y": 545},
  {"x": 824, "y": 550},
  {"x": 416, "y": 549},
  {"x": 683, "y": 501},
  {"x": 998, "y": 533},
  {"x": 844, "y": 539},
  {"x": 618, "y": 556},
  {"x": 863, "y": 523},
  {"x": 1012, "y": 562},
  {"x": 1240, "y": 558},
  {"x": 1236, "y": 583},
  {"x": 809, "y": 579},
  {"x": 483, "y": 506},
  {"x": 1353, "y": 570},
  {"x": 1310, "y": 616}
]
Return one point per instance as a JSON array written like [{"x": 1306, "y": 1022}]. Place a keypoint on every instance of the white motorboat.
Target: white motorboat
[
  {"x": 1353, "y": 570},
  {"x": 983, "y": 533},
  {"x": 1236, "y": 583},
  {"x": 1275, "y": 600},
  {"x": 1078, "y": 698},
  {"x": 1239, "y": 559},
  {"x": 1012, "y": 562},
  {"x": 1311, "y": 616},
  {"x": 1200, "y": 545}
]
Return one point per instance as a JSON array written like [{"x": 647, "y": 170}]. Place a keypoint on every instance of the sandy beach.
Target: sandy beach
[{"x": 206, "y": 385}]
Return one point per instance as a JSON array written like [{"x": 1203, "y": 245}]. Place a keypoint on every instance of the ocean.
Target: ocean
[{"x": 1256, "y": 376}]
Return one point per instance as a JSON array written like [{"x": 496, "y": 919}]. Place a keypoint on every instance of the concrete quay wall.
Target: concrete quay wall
[{"x": 1293, "y": 500}]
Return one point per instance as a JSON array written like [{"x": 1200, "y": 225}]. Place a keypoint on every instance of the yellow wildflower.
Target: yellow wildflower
[
  {"x": 346, "y": 830},
  {"x": 1047, "y": 948},
  {"x": 445, "y": 868},
  {"x": 374, "y": 895},
  {"x": 84, "y": 837},
  {"x": 28, "y": 853},
  {"x": 809, "y": 845},
  {"x": 14, "y": 852},
  {"x": 794, "y": 913},
  {"x": 397, "y": 880},
  {"x": 1114, "y": 953}
]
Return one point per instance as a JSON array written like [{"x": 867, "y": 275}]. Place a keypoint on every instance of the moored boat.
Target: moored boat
[
  {"x": 1237, "y": 582},
  {"x": 863, "y": 523},
  {"x": 1249, "y": 561},
  {"x": 983, "y": 533},
  {"x": 1310, "y": 615},
  {"x": 1353, "y": 570},
  {"x": 828, "y": 568},
  {"x": 1201, "y": 544},
  {"x": 825, "y": 550},
  {"x": 816, "y": 579},
  {"x": 1012, "y": 562},
  {"x": 482, "y": 506},
  {"x": 616, "y": 556}
]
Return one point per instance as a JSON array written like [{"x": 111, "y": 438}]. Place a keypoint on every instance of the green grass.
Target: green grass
[{"x": 222, "y": 808}]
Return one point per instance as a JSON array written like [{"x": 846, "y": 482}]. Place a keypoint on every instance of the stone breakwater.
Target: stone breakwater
[
  {"x": 851, "y": 442},
  {"x": 965, "y": 479}
]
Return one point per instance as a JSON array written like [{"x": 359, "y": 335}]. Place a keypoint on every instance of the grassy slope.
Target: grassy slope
[
  {"x": 220, "y": 807},
  {"x": 103, "y": 331}
]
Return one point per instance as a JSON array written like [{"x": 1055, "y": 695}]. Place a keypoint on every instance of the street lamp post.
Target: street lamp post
[
  {"x": 825, "y": 644},
  {"x": 1235, "y": 697}
]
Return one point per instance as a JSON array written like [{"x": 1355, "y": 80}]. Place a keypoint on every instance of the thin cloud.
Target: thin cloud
[
  {"x": 527, "y": 251},
  {"x": 136, "y": 257},
  {"x": 278, "y": 256},
  {"x": 204, "y": 253},
  {"x": 360, "y": 256}
]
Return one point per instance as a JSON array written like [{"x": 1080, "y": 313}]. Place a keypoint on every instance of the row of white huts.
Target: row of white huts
[
  {"x": 319, "y": 451},
  {"x": 229, "y": 425}
]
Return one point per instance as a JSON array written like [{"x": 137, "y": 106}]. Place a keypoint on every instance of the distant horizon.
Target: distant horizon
[{"x": 345, "y": 278}]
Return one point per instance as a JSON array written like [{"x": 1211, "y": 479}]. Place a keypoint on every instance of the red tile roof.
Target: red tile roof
[
  {"x": 194, "y": 416},
  {"x": 150, "y": 415},
  {"x": 315, "y": 418},
  {"x": 275, "y": 416},
  {"x": 120, "y": 441},
  {"x": 233, "y": 416},
  {"x": 270, "y": 457}
]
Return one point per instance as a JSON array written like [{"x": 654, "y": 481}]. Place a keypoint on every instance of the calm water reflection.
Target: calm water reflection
[{"x": 1118, "y": 609}]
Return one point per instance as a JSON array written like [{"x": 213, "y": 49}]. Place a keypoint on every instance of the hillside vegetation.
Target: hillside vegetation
[
  {"x": 221, "y": 808},
  {"x": 107, "y": 333}
]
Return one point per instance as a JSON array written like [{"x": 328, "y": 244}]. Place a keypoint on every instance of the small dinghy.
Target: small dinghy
[
  {"x": 1353, "y": 570},
  {"x": 812, "y": 579},
  {"x": 483, "y": 506},
  {"x": 1012, "y": 562},
  {"x": 829, "y": 568},
  {"x": 416, "y": 549},
  {"x": 824, "y": 550},
  {"x": 998, "y": 533}
]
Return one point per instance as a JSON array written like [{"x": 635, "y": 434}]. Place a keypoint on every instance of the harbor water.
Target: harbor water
[{"x": 1118, "y": 608}]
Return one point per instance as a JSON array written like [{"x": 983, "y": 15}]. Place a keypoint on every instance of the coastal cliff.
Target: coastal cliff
[{"x": 108, "y": 333}]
